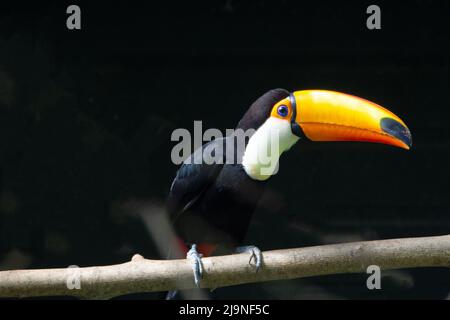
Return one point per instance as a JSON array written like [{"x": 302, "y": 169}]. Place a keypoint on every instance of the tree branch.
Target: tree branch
[{"x": 142, "y": 275}]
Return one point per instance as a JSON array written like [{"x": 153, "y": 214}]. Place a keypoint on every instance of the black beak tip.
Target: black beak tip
[{"x": 397, "y": 130}]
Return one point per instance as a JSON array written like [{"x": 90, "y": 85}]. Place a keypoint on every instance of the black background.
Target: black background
[{"x": 86, "y": 118}]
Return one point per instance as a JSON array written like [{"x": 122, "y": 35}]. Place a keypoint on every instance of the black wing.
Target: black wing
[{"x": 195, "y": 176}]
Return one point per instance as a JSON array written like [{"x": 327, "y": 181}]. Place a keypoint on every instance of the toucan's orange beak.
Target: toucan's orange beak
[{"x": 333, "y": 116}]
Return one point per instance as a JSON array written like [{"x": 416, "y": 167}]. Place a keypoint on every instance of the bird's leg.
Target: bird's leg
[
  {"x": 255, "y": 254},
  {"x": 197, "y": 266},
  {"x": 171, "y": 295}
]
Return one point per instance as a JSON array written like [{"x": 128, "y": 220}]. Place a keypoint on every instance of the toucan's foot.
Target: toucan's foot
[
  {"x": 197, "y": 266},
  {"x": 255, "y": 254}
]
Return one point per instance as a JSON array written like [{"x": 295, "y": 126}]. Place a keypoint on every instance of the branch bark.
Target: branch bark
[{"x": 142, "y": 275}]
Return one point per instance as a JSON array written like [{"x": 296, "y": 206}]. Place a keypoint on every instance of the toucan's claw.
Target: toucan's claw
[
  {"x": 171, "y": 295},
  {"x": 255, "y": 254},
  {"x": 197, "y": 266}
]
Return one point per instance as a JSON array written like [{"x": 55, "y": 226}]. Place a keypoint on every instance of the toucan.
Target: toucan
[{"x": 211, "y": 204}]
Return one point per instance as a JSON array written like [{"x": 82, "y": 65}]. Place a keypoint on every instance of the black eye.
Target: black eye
[{"x": 283, "y": 110}]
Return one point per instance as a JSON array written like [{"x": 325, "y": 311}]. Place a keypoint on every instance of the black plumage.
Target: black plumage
[{"x": 214, "y": 203}]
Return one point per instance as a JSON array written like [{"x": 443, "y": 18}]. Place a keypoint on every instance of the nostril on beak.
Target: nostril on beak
[{"x": 397, "y": 130}]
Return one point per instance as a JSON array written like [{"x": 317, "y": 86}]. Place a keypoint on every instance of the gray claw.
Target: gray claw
[
  {"x": 171, "y": 295},
  {"x": 255, "y": 254},
  {"x": 197, "y": 266}
]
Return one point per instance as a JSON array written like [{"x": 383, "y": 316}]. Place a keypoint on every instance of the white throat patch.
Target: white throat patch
[{"x": 263, "y": 151}]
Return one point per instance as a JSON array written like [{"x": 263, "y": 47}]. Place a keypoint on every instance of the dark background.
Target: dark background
[{"x": 86, "y": 118}]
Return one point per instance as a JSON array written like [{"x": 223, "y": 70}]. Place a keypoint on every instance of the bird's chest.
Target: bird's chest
[{"x": 234, "y": 189}]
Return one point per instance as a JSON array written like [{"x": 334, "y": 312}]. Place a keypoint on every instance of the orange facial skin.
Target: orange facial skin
[{"x": 333, "y": 116}]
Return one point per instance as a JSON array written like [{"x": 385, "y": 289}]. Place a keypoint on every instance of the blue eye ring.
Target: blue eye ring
[{"x": 283, "y": 111}]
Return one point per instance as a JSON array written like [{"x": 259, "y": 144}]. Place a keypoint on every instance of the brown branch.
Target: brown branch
[{"x": 142, "y": 275}]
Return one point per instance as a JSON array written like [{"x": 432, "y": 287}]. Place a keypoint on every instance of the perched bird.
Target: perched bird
[{"x": 211, "y": 204}]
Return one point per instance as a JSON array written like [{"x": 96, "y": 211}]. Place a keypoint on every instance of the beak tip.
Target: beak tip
[{"x": 397, "y": 130}]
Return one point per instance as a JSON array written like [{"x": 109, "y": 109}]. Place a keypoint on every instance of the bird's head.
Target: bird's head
[{"x": 315, "y": 115}]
